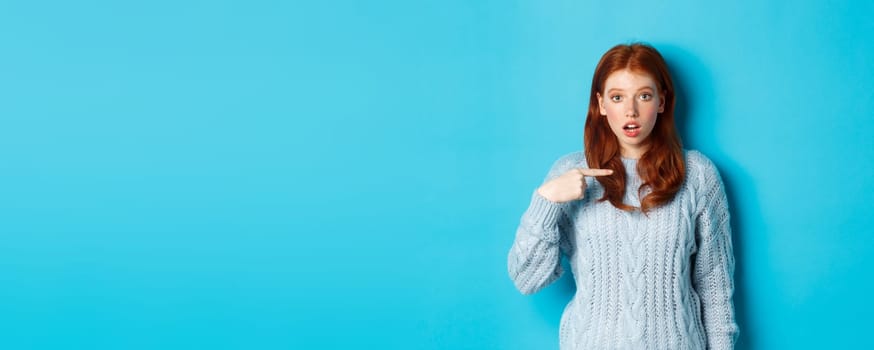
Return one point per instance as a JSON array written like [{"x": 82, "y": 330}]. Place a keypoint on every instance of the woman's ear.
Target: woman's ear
[
  {"x": 661, "y": 102},
  {"x": 600, "y": 104}
]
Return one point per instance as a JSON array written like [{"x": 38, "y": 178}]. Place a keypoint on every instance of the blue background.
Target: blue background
[{"x": 272, "y": 175}]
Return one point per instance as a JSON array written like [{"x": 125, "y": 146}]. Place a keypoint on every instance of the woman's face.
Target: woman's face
[{"x": 631, "y": 103}]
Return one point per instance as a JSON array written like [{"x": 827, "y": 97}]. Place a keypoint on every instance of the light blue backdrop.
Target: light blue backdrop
[{"x": 275, "y": 175}]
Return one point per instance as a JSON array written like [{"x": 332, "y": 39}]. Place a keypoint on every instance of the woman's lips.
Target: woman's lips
[{"x": 631, "y": 129}]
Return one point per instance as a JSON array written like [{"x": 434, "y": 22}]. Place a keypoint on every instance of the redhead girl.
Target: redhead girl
[{"x": 643, "y": 222}]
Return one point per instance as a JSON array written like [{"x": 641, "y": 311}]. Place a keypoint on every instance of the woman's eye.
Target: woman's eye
[
  {"x": 646, "y": 97},
  {"x": 616, "y": 98}
]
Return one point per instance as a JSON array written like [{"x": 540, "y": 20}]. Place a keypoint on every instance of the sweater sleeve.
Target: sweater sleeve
[
  {"x": 534, "y": 260},
  {"x": 714, "y": 262}
]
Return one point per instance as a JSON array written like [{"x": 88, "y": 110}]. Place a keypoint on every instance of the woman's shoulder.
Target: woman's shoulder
[
  {"x": 566, "y": 162},
  {"x": 697, "y": 160},
  {"x": 700, "y": 169},
  {"x": 574, "y": 157}
]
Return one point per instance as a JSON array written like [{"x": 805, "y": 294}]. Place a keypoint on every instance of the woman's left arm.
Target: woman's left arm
[{"x": 713, "y": 275}]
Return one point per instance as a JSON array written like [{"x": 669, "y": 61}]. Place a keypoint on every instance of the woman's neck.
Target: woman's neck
[{"x": 633, "y": 153}]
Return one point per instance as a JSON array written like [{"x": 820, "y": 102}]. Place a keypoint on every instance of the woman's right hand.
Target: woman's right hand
[{"x": 570, "y": 185}]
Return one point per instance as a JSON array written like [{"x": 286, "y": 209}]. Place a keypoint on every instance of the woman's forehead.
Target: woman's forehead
[{"x": 629, "y": 79}]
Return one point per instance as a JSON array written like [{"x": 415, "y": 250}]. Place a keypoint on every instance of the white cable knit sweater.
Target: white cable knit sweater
[{"x": 662, "y": 282}]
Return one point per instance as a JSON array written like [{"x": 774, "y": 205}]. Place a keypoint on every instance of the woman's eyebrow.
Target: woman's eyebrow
[{"x": 642, "y": 88}]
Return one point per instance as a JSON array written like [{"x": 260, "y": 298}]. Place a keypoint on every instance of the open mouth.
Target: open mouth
[{"x": 631, "y": 127}]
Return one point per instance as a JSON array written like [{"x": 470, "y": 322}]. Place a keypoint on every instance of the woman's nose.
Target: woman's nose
[{"x": 631, "y": 110}]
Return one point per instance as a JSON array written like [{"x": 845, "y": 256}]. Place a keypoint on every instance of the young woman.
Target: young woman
[{"x": 643, "y": 222}]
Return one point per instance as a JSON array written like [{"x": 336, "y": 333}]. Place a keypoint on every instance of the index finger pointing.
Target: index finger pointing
[{"x": 595, "y": 172}]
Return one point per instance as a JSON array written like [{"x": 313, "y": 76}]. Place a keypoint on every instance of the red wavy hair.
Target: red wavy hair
[{"x": 661, "y": 167}]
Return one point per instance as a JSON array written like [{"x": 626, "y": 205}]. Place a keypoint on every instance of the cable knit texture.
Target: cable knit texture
[{"x": 658, "y": 282}]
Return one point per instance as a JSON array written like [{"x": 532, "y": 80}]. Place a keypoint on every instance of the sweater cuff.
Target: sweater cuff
[{"x": 543, "y": 215}]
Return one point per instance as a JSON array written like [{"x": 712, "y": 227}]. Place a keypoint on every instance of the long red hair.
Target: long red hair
[{"x": 661, "y": 168}]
